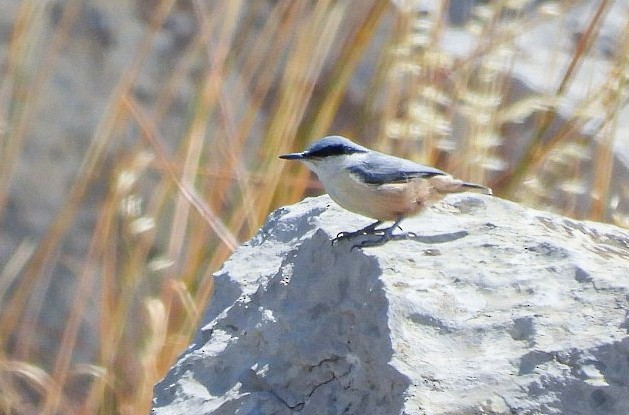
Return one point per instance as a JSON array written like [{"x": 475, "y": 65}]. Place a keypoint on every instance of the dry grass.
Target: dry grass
[{"x": 171, "y": 209}]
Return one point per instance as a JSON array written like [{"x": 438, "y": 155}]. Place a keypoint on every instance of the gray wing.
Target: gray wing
[{"x": 381, "y": 168}]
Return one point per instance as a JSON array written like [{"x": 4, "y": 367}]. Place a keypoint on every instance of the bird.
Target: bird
[{"x": 377, "y": 185}]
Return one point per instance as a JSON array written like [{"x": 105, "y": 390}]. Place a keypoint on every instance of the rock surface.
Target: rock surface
[
  {"x": 494, "y": 309},
  {"x": 103, "y": 44}
]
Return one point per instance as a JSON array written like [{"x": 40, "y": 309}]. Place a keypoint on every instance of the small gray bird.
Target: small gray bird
[{"x": 377, "y": 185}]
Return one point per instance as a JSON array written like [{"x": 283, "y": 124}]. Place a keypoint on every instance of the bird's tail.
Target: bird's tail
[
  {"x": 473, "y": 187},
  {"x": 448, "y": 184}
]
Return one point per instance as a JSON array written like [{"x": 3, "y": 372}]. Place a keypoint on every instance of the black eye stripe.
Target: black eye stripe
[{"x": 334, "y": 150}]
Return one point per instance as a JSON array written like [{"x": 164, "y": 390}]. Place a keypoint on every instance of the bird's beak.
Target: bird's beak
[{"x": 293, "y": 156}]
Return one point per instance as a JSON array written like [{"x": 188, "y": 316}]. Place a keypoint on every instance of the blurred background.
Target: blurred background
[{"x": 139, "y": 143}]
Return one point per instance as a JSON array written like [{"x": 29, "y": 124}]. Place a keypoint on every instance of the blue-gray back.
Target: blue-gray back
[{"x": 381, "y": 168}]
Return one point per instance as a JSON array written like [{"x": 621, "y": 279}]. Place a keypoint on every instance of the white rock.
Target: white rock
[{"x": 494, "y": 309}]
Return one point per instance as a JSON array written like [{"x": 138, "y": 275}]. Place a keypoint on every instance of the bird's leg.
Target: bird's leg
[
  {"x": 367, "y": 230},
  {"x": 387, "y": 235}
]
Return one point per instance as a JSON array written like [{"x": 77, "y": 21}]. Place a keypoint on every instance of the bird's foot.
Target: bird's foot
[
  {"x": 382, "y": 235},
  {"x": 385, "y": 236},
  {"x": 349, "y": 235},
  {"x": 368, "y": 230}
]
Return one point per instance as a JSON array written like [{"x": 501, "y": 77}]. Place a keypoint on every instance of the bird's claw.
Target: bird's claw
[{"x": 339, "y": 236}]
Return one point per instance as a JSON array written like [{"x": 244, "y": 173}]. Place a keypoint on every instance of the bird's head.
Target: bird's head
[{"x": 326, "y": 152}]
